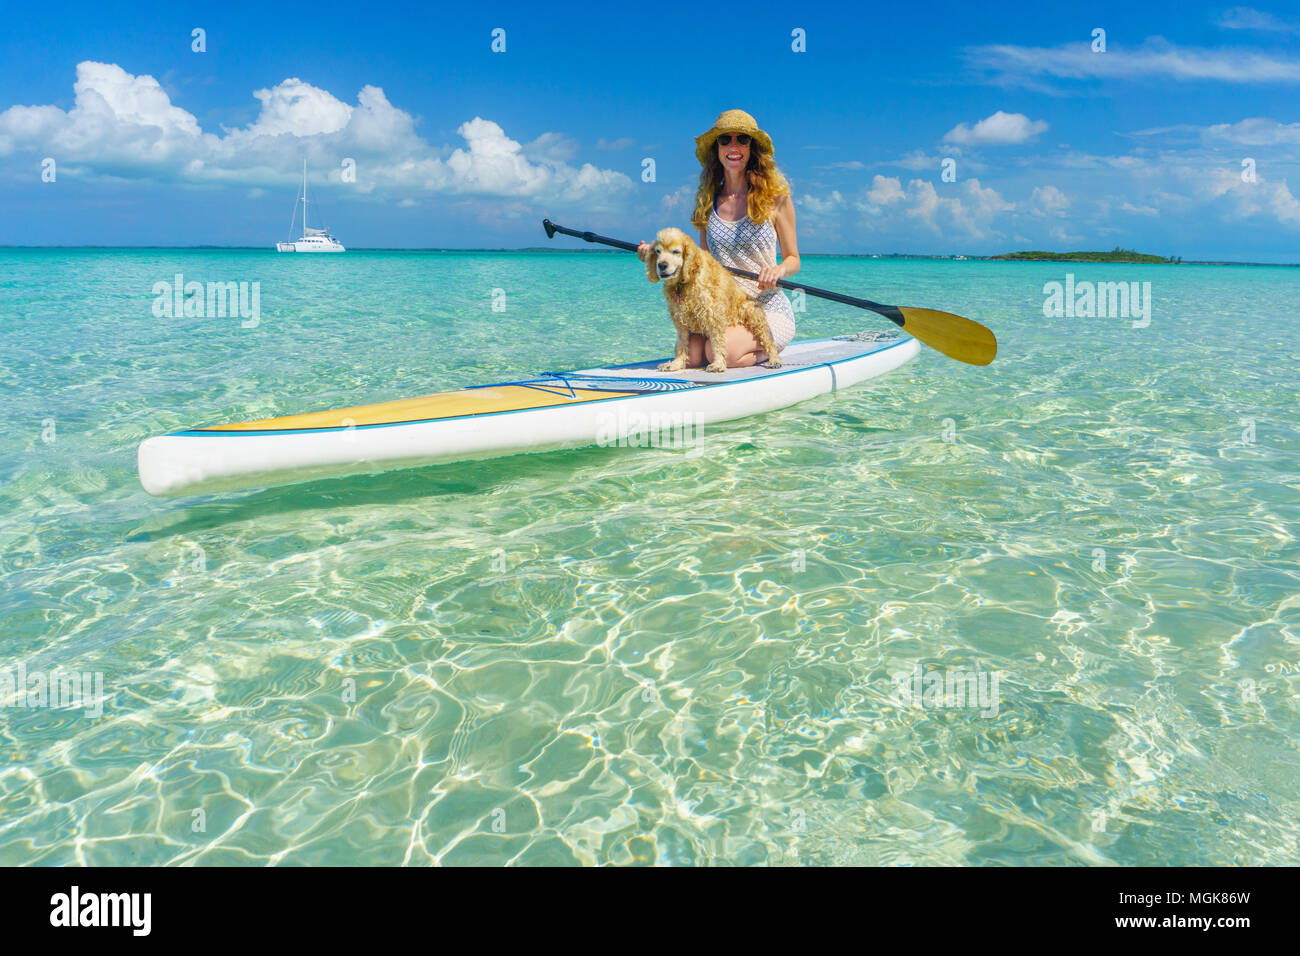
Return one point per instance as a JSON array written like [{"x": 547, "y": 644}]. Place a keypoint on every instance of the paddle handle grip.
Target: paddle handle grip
[
  {"x": 888, "y": 311},
  {"x": 551, "y": 229}
]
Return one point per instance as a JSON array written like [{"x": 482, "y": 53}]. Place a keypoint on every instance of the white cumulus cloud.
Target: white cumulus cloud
[
  {"x": 885, "y": 190},
  {"x": 1245, "y": 200},
  {"x": 967, "y": 208},
  {"x": 1048, "y": 201},
  {"x": 119, "y": 118},
  {"x": 299, "y": 108},
  {"x": 820, "y": 206},
  {"x": 125, "y": 126},
  {"x": 1000, "y": 129}
]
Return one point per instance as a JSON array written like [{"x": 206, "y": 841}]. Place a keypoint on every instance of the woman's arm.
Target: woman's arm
[{"x": 789, "y": 244}]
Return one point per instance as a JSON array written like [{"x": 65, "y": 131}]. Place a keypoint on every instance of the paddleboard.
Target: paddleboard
[{"x": 556, "y": 410}]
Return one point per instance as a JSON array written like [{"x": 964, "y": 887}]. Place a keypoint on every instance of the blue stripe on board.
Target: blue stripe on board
[{"x": 199, "y": 432}]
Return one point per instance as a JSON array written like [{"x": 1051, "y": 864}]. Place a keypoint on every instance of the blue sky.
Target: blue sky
[{"x": 1053, "y": 145}]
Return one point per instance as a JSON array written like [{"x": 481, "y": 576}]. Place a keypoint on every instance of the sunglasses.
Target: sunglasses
[{"x": 742, "y": 139}]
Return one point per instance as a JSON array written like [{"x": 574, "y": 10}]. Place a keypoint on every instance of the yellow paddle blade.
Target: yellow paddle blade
[{"x": 956, "y": 337}]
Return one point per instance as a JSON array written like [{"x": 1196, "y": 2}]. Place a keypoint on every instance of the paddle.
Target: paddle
[{"x": 956, "y": 337}]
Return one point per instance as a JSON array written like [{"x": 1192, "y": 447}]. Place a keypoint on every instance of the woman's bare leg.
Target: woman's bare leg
[
  {"x": 695, "y": 356},
  {"x": 742, "y": 348}
]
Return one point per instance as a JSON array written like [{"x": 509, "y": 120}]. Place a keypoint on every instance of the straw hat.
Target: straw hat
[{"x": 732, "y": 121}]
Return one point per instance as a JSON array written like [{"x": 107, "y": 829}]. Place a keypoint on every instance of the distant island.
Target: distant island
[{"x": 1115, "y": 255}]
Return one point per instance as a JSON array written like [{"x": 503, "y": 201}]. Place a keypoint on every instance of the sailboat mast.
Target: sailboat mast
[
  {"x": 293, "y": 217},
  {"x": 304, "y": 195}
]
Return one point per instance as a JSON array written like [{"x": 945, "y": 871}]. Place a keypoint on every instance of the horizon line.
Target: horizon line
[{"x": 585, "y": 251}]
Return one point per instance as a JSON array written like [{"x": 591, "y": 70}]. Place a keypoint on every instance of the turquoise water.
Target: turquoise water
[{"x": 643, "y": 656}]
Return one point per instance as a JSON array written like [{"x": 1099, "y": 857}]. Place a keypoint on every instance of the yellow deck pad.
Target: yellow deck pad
[{"x": 470, "y": 401}]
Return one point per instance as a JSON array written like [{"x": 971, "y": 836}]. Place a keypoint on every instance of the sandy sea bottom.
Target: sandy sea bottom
[{"x": 616, "y": 655}]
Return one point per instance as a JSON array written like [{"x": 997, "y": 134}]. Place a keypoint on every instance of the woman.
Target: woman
[{"x": 743, "y": 211}]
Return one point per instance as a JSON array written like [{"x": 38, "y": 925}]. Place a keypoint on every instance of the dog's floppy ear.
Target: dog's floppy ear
[
  {"x": 692, "y": 260},
  {"x": 652, "y": 264}
]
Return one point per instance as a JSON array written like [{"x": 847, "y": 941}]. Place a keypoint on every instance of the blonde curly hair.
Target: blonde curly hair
[{"x": 767, "y": 186}]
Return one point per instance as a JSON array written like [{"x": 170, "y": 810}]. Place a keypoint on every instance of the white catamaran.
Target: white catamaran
[{"x": 312, "y": 240}]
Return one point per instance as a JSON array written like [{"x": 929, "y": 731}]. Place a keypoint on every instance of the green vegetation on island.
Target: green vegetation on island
[{"x": 1115, "y": 255}]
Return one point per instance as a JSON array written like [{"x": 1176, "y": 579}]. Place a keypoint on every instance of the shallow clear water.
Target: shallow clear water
[{"x": 633, "y": 655}]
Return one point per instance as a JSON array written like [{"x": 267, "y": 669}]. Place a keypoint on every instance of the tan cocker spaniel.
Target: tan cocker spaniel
[{"x": 703, "y": 298}]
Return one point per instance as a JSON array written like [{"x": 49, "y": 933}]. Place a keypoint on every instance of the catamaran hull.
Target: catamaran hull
[{"x": 309, "y": 247}]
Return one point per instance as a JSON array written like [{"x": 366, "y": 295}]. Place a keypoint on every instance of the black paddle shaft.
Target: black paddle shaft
[{"x": 888, "y": 311}]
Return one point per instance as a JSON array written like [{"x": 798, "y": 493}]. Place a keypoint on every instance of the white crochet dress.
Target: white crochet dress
[{"x": 752, "y": 246}]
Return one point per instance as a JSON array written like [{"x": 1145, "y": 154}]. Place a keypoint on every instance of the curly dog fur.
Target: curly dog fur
[{"x": 703, "y": 298}]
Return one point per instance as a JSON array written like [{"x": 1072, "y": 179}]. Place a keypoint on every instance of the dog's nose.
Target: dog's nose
[{"x": 662, "y": 267}]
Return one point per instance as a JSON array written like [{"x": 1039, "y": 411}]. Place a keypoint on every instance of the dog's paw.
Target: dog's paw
[
  {"x": 773, "y": 363},
  {"x": 716, "y": 367},
  {"x": 676, "y": 365}
]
